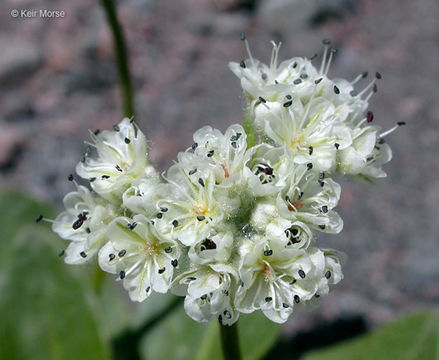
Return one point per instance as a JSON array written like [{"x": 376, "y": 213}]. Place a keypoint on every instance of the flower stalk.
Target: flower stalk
[
  {"x": 121, "y": 57},
  {"x": 230, "y": 342}
]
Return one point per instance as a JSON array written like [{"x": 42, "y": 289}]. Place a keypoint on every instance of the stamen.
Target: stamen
[{"x": 398, "y": 124}]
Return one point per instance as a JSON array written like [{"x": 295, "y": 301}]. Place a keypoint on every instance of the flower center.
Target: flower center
[
  {"x": 297, "y": 143},
  {"x": 151, "y": 249},
  {"x": 202, "y": 210},
  {"x": 268, "y": 272}
]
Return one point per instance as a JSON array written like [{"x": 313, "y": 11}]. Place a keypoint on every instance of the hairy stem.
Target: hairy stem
[
  {"x": 121, "y": 57},
  {"x": 230, "y": 342}
]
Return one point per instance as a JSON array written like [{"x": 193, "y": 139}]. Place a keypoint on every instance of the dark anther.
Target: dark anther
[
  {"x": 268, "y": 252},
  {"x": 116, "y": 127},
  {"x": 105, "y": 177},
  {"x": 192, "y": 172},
  {"x": 326, "y": 42},
  {"x": 162, "y": 270},
  {"x": 328, "y": 274},
  {"x": 203, "y": 297},
  {"x": 147, "y": 289},
  {"x": 242, "y": 64},
  {"x": 297, "y": 299},
  {"x": 309, "y": 166},
  {"x": 233, "y": 144},
  {"x": 174, "y": 263},
  {"x": 111, "y": 256},
  {"x": 322, "y": 227},
  {"x": 336, "y": 89},
  {"x": 313, "y": 56},
  {"x": 133, "y": 225},
  {"x": 163, "y": 209},
  {"x": 292, "y": 282},
  {"x": 87, "y": 230},
  {"x": 83, "y": 254},
  {"x": 311, "y": 149},
  {"x": 208, "y": 244},
  {"x": 127, "y": 141},
  {"x": 39, "y": 218},
  {"x": 302, "y": 274},
  {"x": 324, "y": 209},
  {"x": 378, "y": 75},
  {"x": 321, "y": 183},
  {"x": 289, "y": 97},
  {"x": 159, "y": 215},
  {"x": 210, "y": 153},
  {"x": 175, "y": 223},
  {"x": 92, "y": 179},
  {"x": 268, "y": 299},
  {"x": 294, "y": 65},
  {"x": 200, "y": 217},
  {"x": 96, "y": 132},
  {"x": 242, "y": 36},
  {"x": 375, "y": 88},
  {"x": 201, "y": 182},
  {"x": 353, "y": 93},
  {"x": 297, "y": 81},
  {"x": 118, "y": 168},
  {"x": 122, "y": 253},
  {"x": 61, "y": 254},
  {"x": 227, "y": 314},
  {"x": 318, "y": 81},
  {"x": 70, "y": 177},
  {"x": 364, "y": 74},
  {"x": 369, "y": 116},
  {"x": 194, "y": 146},
  {"x": 168, "y": 250},
  {"x": 304, "y": 76},
  {"x": 262, "y": 100},
  {"x": 400, "y": 123},
  {"x": 286, "y": 306},
  {"x": 288, "y": 103},
  {"x": 122, "y": 274},
  {"x": 337, "y": 145}
]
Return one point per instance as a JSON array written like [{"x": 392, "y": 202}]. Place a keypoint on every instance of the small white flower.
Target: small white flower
[
  {"x": 298, "y": 78},
  {"x": 84, "y": 223},
  {"x": 193, "y": 204},
  {"x": 312, "y": 133},
  {"x": 214, "y": 248},
  {"x": 210, "y": 292},
  {"x": 222, "y": 154},
  {"x": 365, "y": 156},
  {"x": 142, "y": 196},
  {"x": 266, "y": 170},
  {"x": 310, "y": 198},
  {"x": 122, "y": 157},
  {"x": 275, "y": 276},
  {"x": 142, "y": 258}
]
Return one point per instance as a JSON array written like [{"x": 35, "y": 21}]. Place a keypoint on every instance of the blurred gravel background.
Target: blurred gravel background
[{"x": 58, "y": 79}]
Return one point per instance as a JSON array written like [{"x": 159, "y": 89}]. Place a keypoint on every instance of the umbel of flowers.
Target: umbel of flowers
[{"x": 232, "y": 226}]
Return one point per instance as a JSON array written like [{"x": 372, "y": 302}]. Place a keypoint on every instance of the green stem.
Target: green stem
[
  {"x": 126, "y": 345},
  {"x": 121, "y": 57},
  {"x": 230, "y": 342}
]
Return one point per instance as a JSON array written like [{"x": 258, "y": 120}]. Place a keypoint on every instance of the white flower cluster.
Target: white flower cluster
[{"x": 232, "y": 224}]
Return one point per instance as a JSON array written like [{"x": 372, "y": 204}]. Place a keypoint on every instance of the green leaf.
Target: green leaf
[
  {"x": 414, "y": 337},
  {"x": 45, "y": 312},
  {"x": 250, "y": 130},
  {"x": 178, "y": 337}
]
